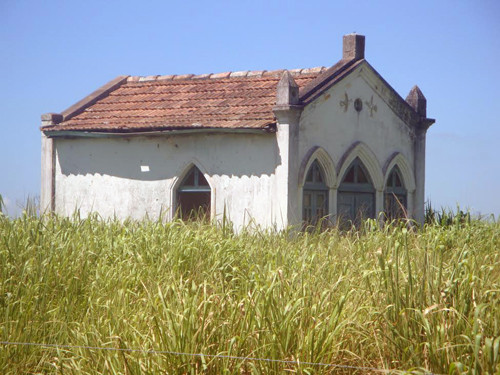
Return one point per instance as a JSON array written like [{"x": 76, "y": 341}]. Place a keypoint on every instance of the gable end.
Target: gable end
[{"x": 391, "y": 97}]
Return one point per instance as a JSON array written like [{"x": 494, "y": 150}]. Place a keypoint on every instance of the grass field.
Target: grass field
[{"x": 389, "y": 298}]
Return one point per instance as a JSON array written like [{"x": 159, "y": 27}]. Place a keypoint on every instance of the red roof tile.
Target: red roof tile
[{"x": 238, "y": 100}]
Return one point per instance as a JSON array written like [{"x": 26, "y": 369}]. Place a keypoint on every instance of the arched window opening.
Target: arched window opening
[
  {"x": 356, "y": 196},
  {"x": 315, "y": 195},
  {"x": 395, "y": 195},
  {"x": 193, "y": 196}
]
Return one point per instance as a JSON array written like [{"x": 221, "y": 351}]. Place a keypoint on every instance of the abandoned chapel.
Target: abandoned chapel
[{"x": 272, "y": 148}]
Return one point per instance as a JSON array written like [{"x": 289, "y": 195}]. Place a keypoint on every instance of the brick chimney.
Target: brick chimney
[{"x": 354, "y": 47}]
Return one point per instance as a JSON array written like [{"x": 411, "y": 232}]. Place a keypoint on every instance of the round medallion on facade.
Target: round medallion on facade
[{"x": 358, "y": 104}]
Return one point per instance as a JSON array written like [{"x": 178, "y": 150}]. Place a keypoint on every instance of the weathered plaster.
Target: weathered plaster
[{"x": 104, "y": 175}]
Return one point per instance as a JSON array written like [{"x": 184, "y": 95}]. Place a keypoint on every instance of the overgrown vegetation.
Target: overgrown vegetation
[
  {"x": 446, "y": 217},
  {"x": 388, "y": 298}
]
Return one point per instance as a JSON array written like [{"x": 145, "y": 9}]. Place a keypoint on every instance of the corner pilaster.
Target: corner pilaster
[
  {"x": 287, "y": 112},
  {"x": 419, "y": 160},
  {"x": 418, "y": 102},
  {"x": 287, "y": 136},
  {"x": 47, "y": 194},
  {"x": 48, "y": 180}
]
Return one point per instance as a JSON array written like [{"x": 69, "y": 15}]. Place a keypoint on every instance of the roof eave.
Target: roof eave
[{"x": 271, "y": 128}]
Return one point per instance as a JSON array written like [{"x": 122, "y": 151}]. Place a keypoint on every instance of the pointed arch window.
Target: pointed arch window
[
  {"x": 315, "y": 195},
  {"x": 356, "y": 195},
  {"x": 395, "y": 195},
  {"x": 194, "y": 195}
]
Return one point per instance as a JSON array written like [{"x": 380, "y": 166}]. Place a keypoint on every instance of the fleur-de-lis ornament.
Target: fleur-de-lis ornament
[
  {"x": 345, "y": 103},
  {"x": 372, "y": 107}
]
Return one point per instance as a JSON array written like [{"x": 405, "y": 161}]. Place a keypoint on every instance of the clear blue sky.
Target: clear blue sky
[{"x": 53, "y": 53}]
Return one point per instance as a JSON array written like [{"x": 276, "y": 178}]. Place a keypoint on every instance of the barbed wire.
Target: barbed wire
[{"x": 256, "y": 359}]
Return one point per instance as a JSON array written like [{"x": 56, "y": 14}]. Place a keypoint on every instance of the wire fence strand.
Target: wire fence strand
[{"x": 222, "y": 356}]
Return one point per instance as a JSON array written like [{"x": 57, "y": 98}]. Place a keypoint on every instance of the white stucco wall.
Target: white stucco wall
[{"x": 104, "y": 175}]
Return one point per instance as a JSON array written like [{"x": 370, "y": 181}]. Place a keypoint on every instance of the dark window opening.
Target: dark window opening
[
  {"x": 349, "y": 177},
  {"x": 315, "y": 195},
  {"x": 193, "y": 196}
]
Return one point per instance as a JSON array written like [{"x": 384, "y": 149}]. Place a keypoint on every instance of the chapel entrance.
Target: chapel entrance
[{"x": 356, "y": 196}]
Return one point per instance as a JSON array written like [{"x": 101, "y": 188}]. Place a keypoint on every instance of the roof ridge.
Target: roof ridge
[{"x": 235, "y": 74}]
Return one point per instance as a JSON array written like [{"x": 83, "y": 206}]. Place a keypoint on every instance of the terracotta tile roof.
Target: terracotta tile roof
[
  {"x": 236, "y": 100},
  {"x": 229, "y": 100}
]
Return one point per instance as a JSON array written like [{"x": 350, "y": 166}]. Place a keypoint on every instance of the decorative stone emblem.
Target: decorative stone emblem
[
  {"x": 358, "y": 104},
  {"x": 345, "y": 103},
  {"x": 371, "y": 106}
]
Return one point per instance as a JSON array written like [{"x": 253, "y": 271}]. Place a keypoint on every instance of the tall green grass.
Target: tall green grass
[{"x": 391, "y": 298}]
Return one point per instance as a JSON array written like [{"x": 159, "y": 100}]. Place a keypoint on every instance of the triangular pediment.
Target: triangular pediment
[{"x": 343, "y": 70}]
